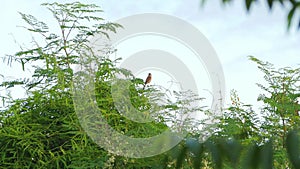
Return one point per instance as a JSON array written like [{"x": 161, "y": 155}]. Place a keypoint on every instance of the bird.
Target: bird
[{"x": 148, "y": 80}]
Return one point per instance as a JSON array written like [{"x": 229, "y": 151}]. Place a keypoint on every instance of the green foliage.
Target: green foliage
[
  {"x": 240, "y": 122},
  {"x": 245, "y": 139},
  {"x": 43, "y": 130},
  {"x": 281, "y": 107},
  {"x": 281, "y": 110},
  {"x": 293, "y": 148}
]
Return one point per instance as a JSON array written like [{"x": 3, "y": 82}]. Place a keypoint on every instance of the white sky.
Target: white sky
[{"x": 233, "y": 33}]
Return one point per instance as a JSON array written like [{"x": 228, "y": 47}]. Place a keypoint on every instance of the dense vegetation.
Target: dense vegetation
[{"x": 44, "y": 131}]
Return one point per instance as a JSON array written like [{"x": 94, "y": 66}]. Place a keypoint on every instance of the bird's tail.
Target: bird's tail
[{"x": 144, "y": 86}]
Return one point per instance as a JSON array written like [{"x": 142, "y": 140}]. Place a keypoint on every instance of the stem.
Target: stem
[
  {"x": 282, "y": 115},
  {"x": 284, "y": 133},
  {"x": 64, "y": 39}
]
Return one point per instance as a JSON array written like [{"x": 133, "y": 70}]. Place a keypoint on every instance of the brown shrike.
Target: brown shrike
[{"x": 148, "y": 80}]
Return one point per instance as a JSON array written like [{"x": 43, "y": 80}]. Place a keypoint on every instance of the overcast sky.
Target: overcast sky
[{"x": 233, "y": 32}]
